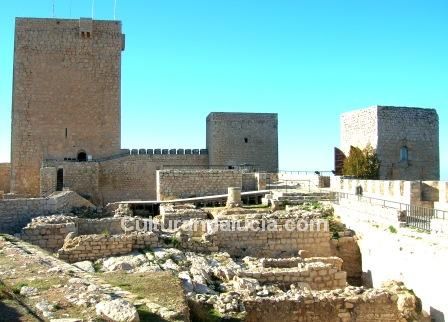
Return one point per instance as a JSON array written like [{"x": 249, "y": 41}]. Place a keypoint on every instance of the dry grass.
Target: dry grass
[{"x": 162, "y": 288}]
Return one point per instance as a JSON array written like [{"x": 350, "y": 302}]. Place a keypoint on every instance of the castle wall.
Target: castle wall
[
  {"x": 388, "y": 129},
  {"x": 418, "y": 193},
  {"x": 129, "y": 177},
  {"x": 134, "y": 177},
  {"x": 175, "y": 184},
  {"x": 359, "y": 128},
  {"x": 5, "y": 177},
  {"x": 235, "y": 139},
  {"x": 418, "y": 130},
  {"x": 66, "y": 94},
  {"x": 82, "y": 177}
]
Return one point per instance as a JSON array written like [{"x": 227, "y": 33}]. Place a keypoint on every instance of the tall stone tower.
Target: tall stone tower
[
  {"x": 406, "y": 140},
  {"x": 66, "y": 94},
  {"x": 235, "y": 139}
]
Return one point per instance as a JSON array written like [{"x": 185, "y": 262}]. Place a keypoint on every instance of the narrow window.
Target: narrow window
[
  {"x": 60, "y": 180},
  {"x": 66, "y": 132},
  {"x": 404, "y": 153},
  {"x": 246, "y": 140}
]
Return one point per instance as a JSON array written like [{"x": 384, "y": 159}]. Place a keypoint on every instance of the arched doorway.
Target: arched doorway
[
  {"x": 82, "y": 156},
  {"x": 60, "y": 180}
]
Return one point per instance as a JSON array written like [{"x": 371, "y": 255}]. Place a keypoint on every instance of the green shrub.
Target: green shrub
[
  {"x": 392, "y": 229},
  {"x": 362, "y": 164}
]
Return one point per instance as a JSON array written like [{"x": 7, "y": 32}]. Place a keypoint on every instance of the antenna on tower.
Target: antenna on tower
[
  {"x": 53, "y": 8},
  {"x": 115, "y": 8},
  {"x": 93, "y": 8}
]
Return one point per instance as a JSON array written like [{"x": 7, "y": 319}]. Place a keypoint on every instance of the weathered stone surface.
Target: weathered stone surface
[
  {"x": 86, "y": 266},
  {"x": 117, "y": 310}
]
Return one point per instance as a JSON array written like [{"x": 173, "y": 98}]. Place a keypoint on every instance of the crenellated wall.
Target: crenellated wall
[
  {"x": 419, "y": 193},
  {"x": 126, "y": 177}
]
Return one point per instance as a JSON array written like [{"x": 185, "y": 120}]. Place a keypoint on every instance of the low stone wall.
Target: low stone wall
[
  {"x": 5, "y": 177},
  {"x": 418, "y": 193},
  {"x": 92, "y": 247},
  {"x": 111, "y": 226},
  {"x": 258, "y": 242},
  {"x": 316, "y": 275},
  {"x": 265, "y": 244},
  {"x": 176, "y": 184},
  {"x": 367, "y": 307},
  {"x": 49, "y": 233},
  {"x": 16, "y": 213},
  {"x": 179, "y": 214},
  {"x": 347, "y": 249}
]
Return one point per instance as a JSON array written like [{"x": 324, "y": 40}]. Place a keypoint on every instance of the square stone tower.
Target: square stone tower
[
  {"x": 235, "y": 139},
  {"x": 406, "y": 140},
  {"x": 66, "y": 94}
]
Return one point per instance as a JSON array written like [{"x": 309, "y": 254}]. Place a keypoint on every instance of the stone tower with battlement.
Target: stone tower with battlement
[
  {"x": 406, "y": 140},
  {"x": 66, "y": 94},
  {"x": 243, "y": 139}
]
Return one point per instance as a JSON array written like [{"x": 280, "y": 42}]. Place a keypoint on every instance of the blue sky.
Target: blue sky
[{"x": 309, "y": 61}]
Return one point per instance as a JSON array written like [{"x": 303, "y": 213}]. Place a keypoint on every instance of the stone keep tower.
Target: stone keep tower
[
  {"x": 66, "y": 94},
  {"x": 406, "y": 140},
  {"x": 235, "y": 139}
]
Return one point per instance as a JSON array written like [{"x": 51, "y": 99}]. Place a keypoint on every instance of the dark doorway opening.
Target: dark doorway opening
[
  {"x": 82, "y": 156},
  {"x": 60, "y": 180}
]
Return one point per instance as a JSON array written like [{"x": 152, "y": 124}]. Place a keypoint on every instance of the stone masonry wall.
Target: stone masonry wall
[
  {"x": 66, "y": 94},
  {"x": 174, "y": 184},
  {"x": 388, "y": 129},
  {"x": 16, "y": 213},
  {"x": 5, "y": 177},
  {"x": 348, "y": 250},
  {"x": 92, "y": 247},
  {"x": 130, "y": 177},
  {"x": 134, "y": 177},
  {"x": 408, "y": 255},
  {"x": 81, "y": 177},
  {"x": 419, "y": 193},
  {"x": 317, "y": 276},
  {"x": 234, "y": 139},
  {"x": 264, "y": 243},
  {"x": 49, "y": 236},
  {"x": 48, "y": 181},
  {"x": 367, "y": 307},
  {"x": 49, "y": 232},
  {"x": 359, "y": 128},
  {"x": 418, "y": 130}
]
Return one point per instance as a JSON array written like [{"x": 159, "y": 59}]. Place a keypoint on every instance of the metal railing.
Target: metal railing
[
  {"x": 288, "y": 185},
  {"x": 414, "y": 216},
  {"x": 307, "y": 172}
]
